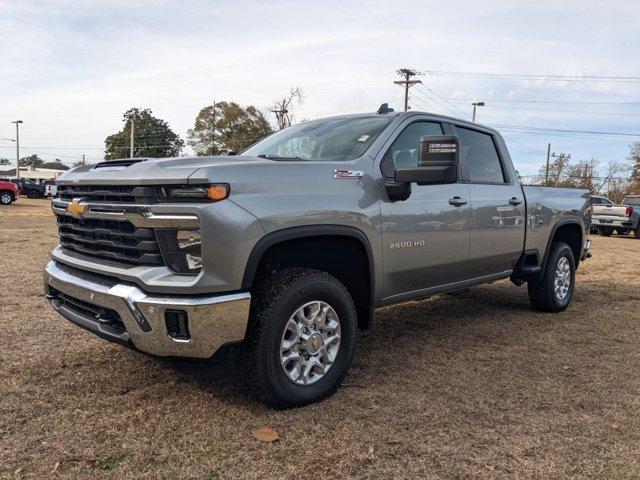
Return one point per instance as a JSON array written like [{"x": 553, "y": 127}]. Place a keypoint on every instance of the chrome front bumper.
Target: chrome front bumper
[{"x": 213, "y": 321}]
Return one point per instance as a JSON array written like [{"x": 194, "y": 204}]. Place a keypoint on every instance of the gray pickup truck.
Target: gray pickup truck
[{"x": 277, "y": 256}]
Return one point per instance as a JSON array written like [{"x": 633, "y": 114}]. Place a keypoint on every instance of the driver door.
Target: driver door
[{"x": 425, "y": 238}]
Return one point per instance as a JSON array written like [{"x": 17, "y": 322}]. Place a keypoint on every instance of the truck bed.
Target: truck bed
[{"x": 548, "y": 208}]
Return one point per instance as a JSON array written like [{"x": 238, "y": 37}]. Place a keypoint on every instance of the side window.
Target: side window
[
  {"x": 606, "y": 201},
  {"x": 405, "y": 148},
  {"x": 596, "y": 201},
  {"x": 479, "y": 156}
]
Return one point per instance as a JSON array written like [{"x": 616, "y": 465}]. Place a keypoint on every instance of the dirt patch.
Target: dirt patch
[{"x": 455, "y": 387}]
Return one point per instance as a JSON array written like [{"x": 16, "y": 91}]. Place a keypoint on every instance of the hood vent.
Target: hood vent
[{"x": 119, "y": 164}]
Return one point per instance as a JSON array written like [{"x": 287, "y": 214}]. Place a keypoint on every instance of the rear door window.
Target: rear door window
[{"x": 479, "y": 156}]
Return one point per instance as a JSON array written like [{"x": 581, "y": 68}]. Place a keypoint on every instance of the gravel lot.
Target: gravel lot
[{"x": 455, "y": 387}]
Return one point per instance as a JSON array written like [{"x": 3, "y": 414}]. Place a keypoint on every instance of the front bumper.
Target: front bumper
[
  {"x": 125, "y": 314},
  {"x": 586, "y": 250}
]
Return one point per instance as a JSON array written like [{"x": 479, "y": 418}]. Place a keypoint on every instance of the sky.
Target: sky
[{"x": 70, "y": 69}]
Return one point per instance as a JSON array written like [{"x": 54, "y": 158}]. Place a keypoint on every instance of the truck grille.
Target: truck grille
[
  {"x": 116, "y": 240},
  {"x": 135, "y": 194}
]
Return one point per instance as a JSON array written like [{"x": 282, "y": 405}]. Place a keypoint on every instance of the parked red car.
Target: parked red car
[{"x": 8, "y": 192}]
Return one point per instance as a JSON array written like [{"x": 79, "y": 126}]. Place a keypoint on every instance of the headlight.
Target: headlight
[
  {"x": 181, "y": 249},
  {"x": 214, "y": 192}
]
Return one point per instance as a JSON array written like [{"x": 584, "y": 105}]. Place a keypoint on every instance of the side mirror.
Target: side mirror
[{"x": 437, "y": 163}]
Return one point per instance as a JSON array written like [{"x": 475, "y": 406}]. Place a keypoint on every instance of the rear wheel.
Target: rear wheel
[
  {"x": 552, "y": 290},
  {"x": 6, "y": 198},
  {"x": 606, "y": 231},
  {"x": 622, "y": 231},
  {"x": 636, "y": 232},
  {"x": 301, "y": 337},
  {"x": 33, "y": 194}
]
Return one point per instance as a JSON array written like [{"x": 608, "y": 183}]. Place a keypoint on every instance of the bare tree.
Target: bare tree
[{"x": 283, "y": 106}]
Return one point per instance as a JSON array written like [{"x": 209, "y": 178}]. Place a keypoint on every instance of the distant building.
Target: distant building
[{"x": 37, "y": 175}]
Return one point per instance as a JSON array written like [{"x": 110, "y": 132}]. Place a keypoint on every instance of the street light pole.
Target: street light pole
[
  {"x": 476, "y": 104},
  {"x": 133, "y": 129},
  {"x": 18, "y": 122}
]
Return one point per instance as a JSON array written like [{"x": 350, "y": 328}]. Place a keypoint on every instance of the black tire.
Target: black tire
[
  {"x": 606, "y": 232},
  {"x": 542, "y": 293},
  {"x": 6, "y": 197},
  {"x": 33, "y": 194},
  {"x": 274, "y": 302},
  {"x": 636, "y": 232},
  {"x": 622, "y": 231}
]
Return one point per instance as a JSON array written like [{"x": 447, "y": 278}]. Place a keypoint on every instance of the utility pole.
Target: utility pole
[
  {"x": 18, "y": 122},
  {"x": 83, "y": 159},
  {"x": 546, "y": 175},
  {"x": 476, "y": 104},
  {"x": 407, "y": 73},
  {"x": 133, "y": 129},
  {"x": 213, "y": 130}
]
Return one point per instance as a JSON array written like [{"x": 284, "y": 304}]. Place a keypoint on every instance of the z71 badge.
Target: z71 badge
[
  {"x": 348, "y": 174},
  {"x": 396, "y": 245}
]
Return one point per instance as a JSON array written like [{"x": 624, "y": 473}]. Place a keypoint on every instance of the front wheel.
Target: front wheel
[
  {"x": 552, "y": 290},
  {"x": 6, "y": 198},
  {"x": 300, "y": 339}
]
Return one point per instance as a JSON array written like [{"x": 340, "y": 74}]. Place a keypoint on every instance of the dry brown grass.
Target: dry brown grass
[{"x": 471, "y": 386}]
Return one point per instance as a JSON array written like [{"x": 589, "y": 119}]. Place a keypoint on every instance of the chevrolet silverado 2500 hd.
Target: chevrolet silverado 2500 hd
[{"x": 283, "y": 252}]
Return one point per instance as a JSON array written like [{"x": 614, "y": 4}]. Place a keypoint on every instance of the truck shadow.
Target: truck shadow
[{"x": 445, "y": 321}]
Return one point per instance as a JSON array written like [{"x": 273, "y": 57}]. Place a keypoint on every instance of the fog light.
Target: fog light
[
  {"x": 181, "y": 249},
  {"x": 177, "y": 324}
]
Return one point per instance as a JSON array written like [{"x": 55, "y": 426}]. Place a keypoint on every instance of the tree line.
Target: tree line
[
  {"x": 218, "y": 129},
  {"x": 614, "y": 179}
]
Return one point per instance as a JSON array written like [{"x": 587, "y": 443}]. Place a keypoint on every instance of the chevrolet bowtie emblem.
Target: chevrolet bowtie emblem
[{"x": 76, "y": 208}]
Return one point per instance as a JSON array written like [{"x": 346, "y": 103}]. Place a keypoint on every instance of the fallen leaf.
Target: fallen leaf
[
  {"x": 265, "y": 434},
  {"x": 55, "y": 467},
  {"x": 17, "y": 471}
]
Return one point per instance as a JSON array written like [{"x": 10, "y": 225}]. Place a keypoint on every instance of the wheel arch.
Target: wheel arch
[
  {"x": 345, "y": 252},
  {"x": 569, "y": 231}
]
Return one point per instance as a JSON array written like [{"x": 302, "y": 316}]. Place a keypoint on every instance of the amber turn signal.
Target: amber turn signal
[{"x": 217, "y": 192}]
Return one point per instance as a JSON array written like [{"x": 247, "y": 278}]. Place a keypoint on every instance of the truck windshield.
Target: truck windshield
[
  {"x": 332, "y": 139},
  {"x": 631, "y": 201}
]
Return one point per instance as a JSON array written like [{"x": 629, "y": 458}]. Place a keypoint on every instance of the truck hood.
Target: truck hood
[{"x": 151, "y": 171}]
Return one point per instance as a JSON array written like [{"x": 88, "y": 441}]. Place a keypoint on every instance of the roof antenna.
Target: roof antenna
[{"x": 384, "y": 108}]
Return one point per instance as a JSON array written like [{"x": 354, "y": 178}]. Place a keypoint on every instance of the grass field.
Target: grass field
[{"x": 455, "y": 387}]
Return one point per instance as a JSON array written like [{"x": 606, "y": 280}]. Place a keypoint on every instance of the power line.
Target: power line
[
  {"x": 531, "y": 76},
  {"x": 562, "y": 130},
  {"x": 579, "y": 102},
  {"x": 563, "y": 111}
]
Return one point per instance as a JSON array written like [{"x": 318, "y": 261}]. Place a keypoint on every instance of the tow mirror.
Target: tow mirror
[{"x": 437, "y": 163}]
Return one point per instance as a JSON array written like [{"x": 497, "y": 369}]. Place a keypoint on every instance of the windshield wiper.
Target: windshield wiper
[{"x": 278, "y": 157}]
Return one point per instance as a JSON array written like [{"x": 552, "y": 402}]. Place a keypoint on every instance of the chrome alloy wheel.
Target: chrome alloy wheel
[
  {"x": 5, "y": 199},
  {"x": 310, "y": 342},
  {"x": 562, "y": 279}
]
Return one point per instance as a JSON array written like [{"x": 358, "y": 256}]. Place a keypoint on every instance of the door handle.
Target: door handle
[
  {"x": 515, "y": 201},
  {"x": 457, "y": 201}
]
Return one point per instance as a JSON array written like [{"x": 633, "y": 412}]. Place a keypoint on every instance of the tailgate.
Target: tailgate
[{"x": 610, "y": 211}]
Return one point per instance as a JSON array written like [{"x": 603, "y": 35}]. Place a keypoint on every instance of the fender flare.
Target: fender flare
[
  {"x": 309, "y": 231},
  {"x": 554, "y": 230}
]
